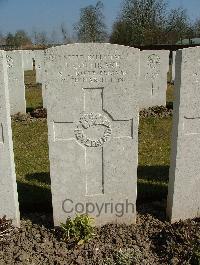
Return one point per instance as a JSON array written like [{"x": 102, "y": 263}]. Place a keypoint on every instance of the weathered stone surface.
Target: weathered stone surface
[
  {"x": 39, "y": 65},
  {"x": 39, "y": 68},
  {"x": 28, "y": 56},
  {"x": 173, "y": 65},
  {"x": 92, "y": 92},
  {"x": 154, "y": 66},
  {"x": 16, "y": 82},
  {"x": 8, "y": 188},
  {"x": 184, "y": 182}
]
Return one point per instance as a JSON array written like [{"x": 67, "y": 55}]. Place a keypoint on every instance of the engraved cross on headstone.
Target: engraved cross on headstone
[
  {"x": 93, "y": 131},
  {"x": 154, "y": 64},
  {"x": 154, "y": 88}
]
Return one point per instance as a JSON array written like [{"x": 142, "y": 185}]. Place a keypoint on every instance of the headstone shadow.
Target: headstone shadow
[
  {"x": 43, "y": 177},
  {"x": 152, "y": 190},
  {"x": 34, "y": 201}
]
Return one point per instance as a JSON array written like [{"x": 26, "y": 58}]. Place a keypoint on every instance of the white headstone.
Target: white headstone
[
  {"x": 184, "y": 182},
  {"x": 173, "y": 65},
  {"x": 154, "y": 66},
  {"x": 28, "y": 56},
  {"x": 16, "y": 82},
  {"x": 8, "y": 188},
  {"x": 39, "y": 68},
  {"x": 92, "y": 92},
  {"x": 39, "y": 65}
]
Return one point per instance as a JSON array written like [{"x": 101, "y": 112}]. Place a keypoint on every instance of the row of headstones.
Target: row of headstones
[
  {"x": 92, "y": 101},
  {"x": 154, "y": 66},
  {"x": 17, "y": 62}
]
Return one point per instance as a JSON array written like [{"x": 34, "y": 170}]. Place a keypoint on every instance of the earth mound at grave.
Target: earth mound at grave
[{"x": 151, "y": 241}]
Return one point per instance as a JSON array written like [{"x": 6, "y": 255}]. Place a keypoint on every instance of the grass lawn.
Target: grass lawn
[
  {"x": 170, "y": 93},
  {"x": 33, "y": 91},
  {"x": 32, "y": 164},
  {"x": 154, "y": 156}
]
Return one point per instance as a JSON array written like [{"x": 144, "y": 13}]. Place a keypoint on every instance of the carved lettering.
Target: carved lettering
[
  {"x": 94, "y": 68},
  {"x": 154, "y": 66},
  {"x": 9, "y": 60}
]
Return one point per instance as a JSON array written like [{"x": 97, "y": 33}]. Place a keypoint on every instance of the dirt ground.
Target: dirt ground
[{"x": 151, "y": 241}]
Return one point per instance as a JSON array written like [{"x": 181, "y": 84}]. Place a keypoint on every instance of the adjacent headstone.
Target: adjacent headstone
[
  {"x": 39, "y": 65},
  {"x": 28, "y": 56},
  {"x": 154, "y": 66},
  {"x": 92, "y": 92},
  {"x": 39, "y": 68},
  {"x": 16, "y": 82},
  {"x": 184, "y": 181},
  {"x": 8, "y": 188},
  {"x": 173, "y": 65}
]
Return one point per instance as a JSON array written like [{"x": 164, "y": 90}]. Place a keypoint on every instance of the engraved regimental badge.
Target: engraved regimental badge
[{"x": 91, "y": 120}]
